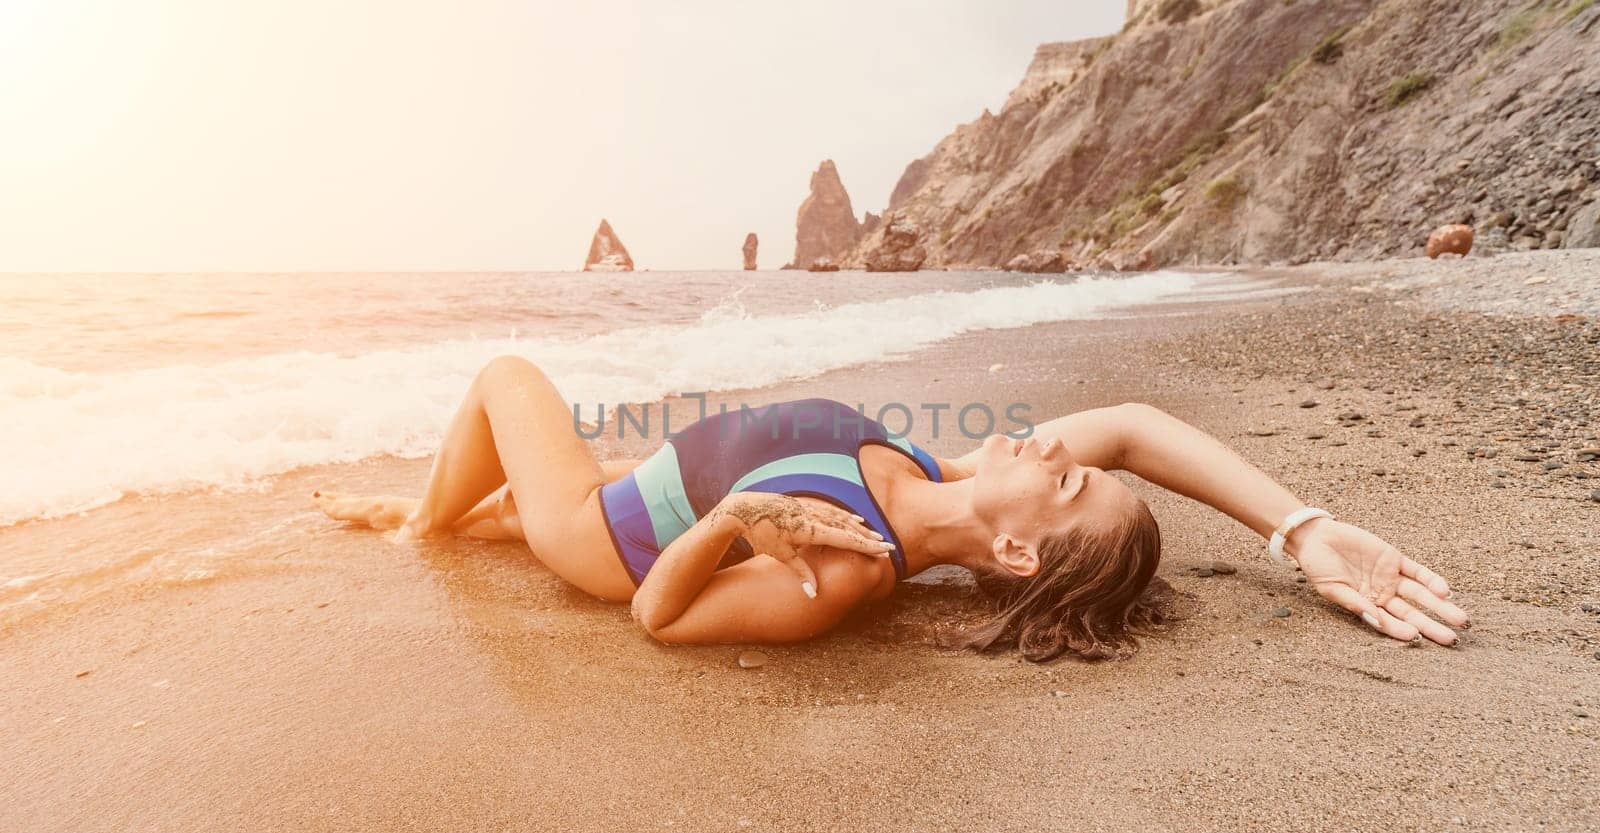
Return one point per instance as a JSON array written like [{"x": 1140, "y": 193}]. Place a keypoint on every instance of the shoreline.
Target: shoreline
[{"x": 323, "y": 678}]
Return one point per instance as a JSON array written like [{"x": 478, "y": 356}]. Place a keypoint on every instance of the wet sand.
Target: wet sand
[{"x": 322, "y": 678}]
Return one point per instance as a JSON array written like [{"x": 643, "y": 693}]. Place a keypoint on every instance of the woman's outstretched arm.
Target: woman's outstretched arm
[{"x": 1346, "y": 564}]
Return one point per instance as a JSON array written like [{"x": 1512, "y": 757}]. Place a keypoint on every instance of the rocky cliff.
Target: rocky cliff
[
  {"x": 1266, "y": 131},
  {"x": 826, "y": 226}
]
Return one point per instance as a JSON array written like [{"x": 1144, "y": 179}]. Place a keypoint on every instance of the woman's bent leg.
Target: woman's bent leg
[{"x": 514, "y": 428}]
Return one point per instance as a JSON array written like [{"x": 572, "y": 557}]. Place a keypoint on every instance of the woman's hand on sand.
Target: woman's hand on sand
[
  {"x": 786, "y": 528},
  {"x": 1363, "y": 574}
]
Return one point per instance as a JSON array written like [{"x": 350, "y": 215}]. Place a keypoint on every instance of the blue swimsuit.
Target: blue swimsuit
[{"x": 809, "y": 447}]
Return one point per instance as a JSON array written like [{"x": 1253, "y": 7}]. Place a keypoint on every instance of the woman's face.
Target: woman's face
[{"x": 1030, "y": 490}]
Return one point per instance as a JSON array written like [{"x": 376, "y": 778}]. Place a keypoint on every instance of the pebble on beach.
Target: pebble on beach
[
  {"x": 1281, "y": 612},
  {"x": 1223, "y": 568},
  {"x": 752, "y": 659}
]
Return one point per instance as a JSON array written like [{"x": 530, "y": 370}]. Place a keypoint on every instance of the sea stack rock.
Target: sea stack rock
[
  {"x": 896, "y": 248},
  {"x": 1454, "y": 239},
  {"x": 606, "y": 252},
  {"x": 749, "y": 250},
  {"x": 826, "y": 226}
]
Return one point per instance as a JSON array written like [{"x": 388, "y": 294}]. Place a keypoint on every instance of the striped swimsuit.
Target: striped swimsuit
[{"x": 809, "y": 447}]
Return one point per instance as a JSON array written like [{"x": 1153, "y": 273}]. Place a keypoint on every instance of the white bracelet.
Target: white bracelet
[{"x": 1281, "y": 534}]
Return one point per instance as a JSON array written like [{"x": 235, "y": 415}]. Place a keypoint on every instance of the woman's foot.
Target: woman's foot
[{"x": 378, "y": 512}]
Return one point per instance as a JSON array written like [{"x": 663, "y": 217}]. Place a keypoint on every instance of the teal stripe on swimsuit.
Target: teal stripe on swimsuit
[
  {"x": 661, "y": 486},
  {"x": 904, "y": 445},
  {"x": 842, "y": 466}
]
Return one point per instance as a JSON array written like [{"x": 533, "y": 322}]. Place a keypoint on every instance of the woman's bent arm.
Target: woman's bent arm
[{"x": 816, "y": 565}]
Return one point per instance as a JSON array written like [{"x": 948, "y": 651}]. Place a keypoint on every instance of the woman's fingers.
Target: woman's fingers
[
  {"x": 1426, "y": 577},
  {"x": 822, "y": 535},
  {"x": 847, "y": 521},
  {"x": 808, "y": 579},
  {"x": 1417, "y": 619},
  {"x": 1421, "y": 596},
  {"x": 1376, "y": 617}
]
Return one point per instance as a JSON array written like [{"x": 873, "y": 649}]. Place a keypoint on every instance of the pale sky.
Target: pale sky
[{"x": 285, "y": 135}]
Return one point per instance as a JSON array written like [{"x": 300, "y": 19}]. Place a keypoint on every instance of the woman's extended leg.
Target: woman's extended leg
[
  {"x": 493, "y": 519},
  {"x": 514, "y": 428}
]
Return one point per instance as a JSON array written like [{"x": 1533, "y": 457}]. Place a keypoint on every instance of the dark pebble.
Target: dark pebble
[
  {"x": 1500, "y": 472},
  {"x": 1595, "y": 495},
  {"x": 1205, "y": 572},
  {"x": 1315, "y": 436},
  {"x": 1528, "y": 458},
  {"x": 1417, "y": 452},
  {"x": 1300, "y": 579},
  {"x": 1551, "y": 466},
  {"x": 1497, "y": 485},
  {"x": 1351, "y": 416},
  {"x": 1380, "y": 472},
  {"x": 1310, "y": 403},
  {"x": 1223, "y": 568},
  {"x": 1281, "y": 612},
  {"x": 1589, "y": 607}
]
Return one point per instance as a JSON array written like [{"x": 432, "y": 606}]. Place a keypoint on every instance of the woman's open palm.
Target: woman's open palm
[{"x": 1363, "y": 574}]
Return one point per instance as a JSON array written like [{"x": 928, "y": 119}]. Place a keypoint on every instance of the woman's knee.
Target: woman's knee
[{"x": 509, "y": 366}]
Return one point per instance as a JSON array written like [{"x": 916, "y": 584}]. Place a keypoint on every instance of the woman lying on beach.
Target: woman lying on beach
[{"x": 771, "y": 525}]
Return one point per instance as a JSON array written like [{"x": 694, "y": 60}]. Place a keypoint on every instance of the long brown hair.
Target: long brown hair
[{"x": 1091, "y": 597}]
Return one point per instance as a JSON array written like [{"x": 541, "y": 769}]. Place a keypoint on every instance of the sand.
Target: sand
[{"x": 326, "y": 679}]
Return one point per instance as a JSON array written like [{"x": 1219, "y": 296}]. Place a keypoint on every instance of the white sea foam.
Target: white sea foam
[{"x": 76, "y": 440}]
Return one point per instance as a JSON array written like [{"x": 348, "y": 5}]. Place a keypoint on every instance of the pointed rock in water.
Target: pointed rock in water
[
  {"x": 606, "y": 252},
  {"x": 749, "y": 251},
  {"x": 825, "y": 226}
]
